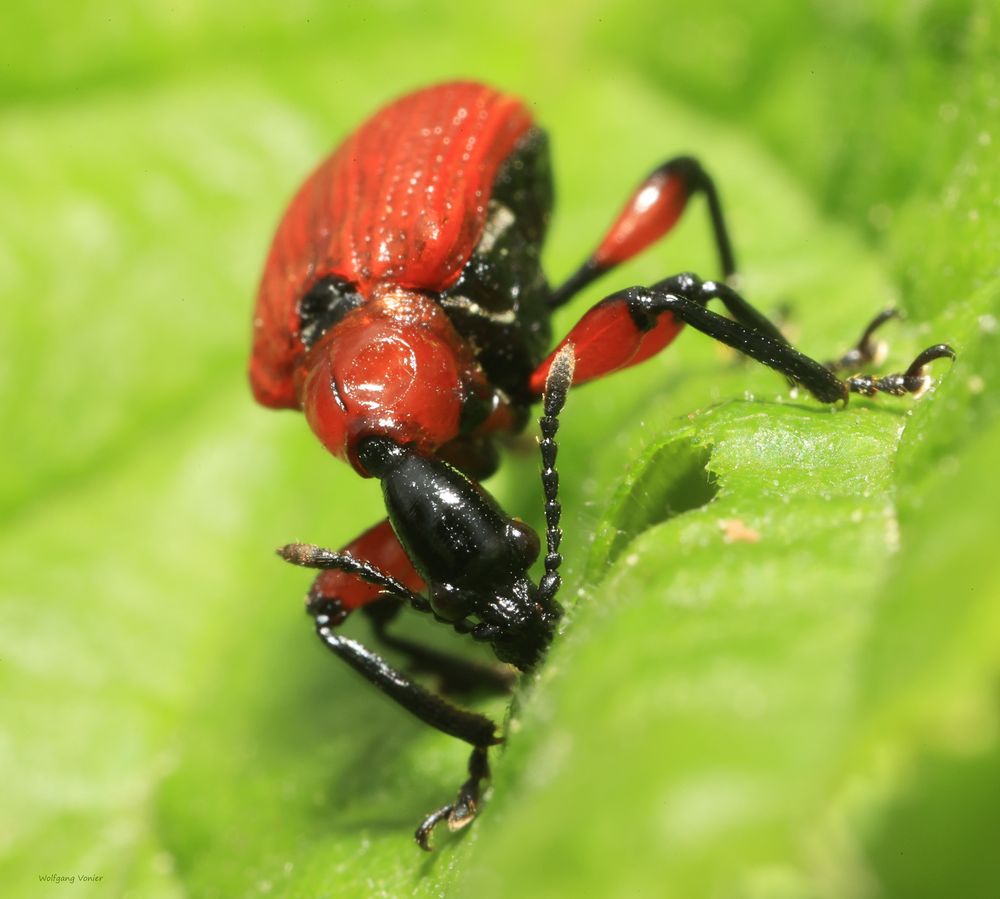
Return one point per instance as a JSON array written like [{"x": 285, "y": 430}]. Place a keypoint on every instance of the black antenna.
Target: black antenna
[{"x": 557, "y": 384}]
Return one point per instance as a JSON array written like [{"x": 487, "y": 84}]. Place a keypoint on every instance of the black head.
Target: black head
[{"x": 474, "y": 558}]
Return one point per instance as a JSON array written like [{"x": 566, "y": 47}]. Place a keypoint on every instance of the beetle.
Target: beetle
[{"x": 403, "y": 308}]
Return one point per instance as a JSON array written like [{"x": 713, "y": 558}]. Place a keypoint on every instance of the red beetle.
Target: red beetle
[{"x": 404, "y": 310}]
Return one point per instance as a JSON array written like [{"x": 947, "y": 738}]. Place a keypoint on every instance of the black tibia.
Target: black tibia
[
  {"x": 695, "y": 180},
  {"x": 866, "y": 350},
  {"x": 557, "y": 385},
  {"x": 466, "y": 804},
  {"x": 687, "y": 284},
  {"x": 685, "y": 296},
  {"x": 473, "y": 728},
  {"x": 468, "y": 726},
  {"x": 457, "y": 675}
]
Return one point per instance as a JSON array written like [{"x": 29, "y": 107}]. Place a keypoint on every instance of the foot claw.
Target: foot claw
[
  {"x": 866, "y": 351},
  {"x": 460, "y": 812},
  {"x": 914, "y": 380},
  {"x": 426, "y": 828},
  {"x": 938, "y": 351}
]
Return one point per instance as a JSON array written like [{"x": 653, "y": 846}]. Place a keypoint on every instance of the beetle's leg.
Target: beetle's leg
[
  {"x": 630, "y": 326},
  {"x": 464, "y": 808},
  {"x": 473, "y": 728},
  {"x": 649, "y": 214},
  {"x": 347, "y": 591},
  {"x": 914, "y": 380},
  {"x": 867, "y": 350},
  {"x": 457, "y": 675},
  {"x": 468, "y": 726}
]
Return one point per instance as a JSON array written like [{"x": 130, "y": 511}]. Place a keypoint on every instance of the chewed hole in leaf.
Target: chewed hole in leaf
[{"x": 666, "y": 481}]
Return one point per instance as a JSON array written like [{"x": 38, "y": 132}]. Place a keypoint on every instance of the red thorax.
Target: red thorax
[{"x": 395, "y": 367}]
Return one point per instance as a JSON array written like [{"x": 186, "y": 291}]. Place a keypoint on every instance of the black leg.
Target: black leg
[
  {"x": 468, "y": 726},
  {"x": 649, "y": 214},
  {"x": 471, "y": 727},
  {"x": 685, "y": 297},
  {"x": 913, "y": 380},
  {"x": 466, "y": 804},
  {"x": 457, "y": 675},
  {"x": 866, "y": 350},
  {"x": 688, "y": 284}
]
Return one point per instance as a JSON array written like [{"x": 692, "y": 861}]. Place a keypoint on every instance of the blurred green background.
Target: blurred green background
[{"x": 812, "y": 714}]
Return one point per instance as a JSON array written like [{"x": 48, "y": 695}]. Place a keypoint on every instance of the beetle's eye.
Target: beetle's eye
[
  {"x": 323, "y": 305},
  {"x": 451, "y": 603},
  {"x": 524, "y": 540}
]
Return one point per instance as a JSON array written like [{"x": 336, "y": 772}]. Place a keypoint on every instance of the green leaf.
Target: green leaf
[{"x": 777, "y": 675}]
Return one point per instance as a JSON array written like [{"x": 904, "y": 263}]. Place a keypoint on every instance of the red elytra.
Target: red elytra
[{"x": 401, "y": 201}]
